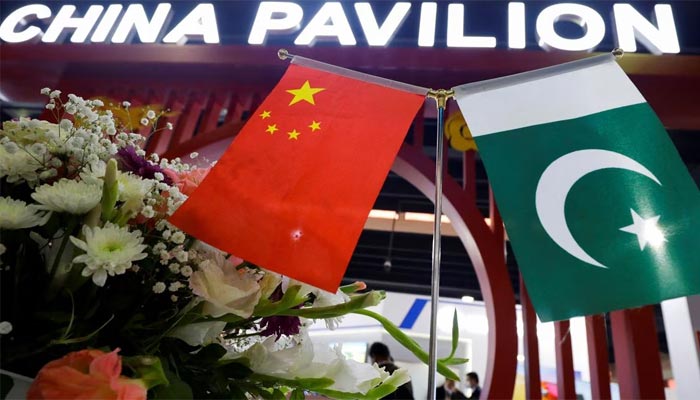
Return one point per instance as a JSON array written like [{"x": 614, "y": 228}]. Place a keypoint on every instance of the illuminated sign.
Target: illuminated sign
[{"x": 331, "y": 21}]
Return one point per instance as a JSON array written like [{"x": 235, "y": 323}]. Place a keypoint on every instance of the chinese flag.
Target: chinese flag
[{"x": 293, "y": 191}]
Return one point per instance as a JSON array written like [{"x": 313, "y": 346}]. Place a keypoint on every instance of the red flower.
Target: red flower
[{"x": 86, "y": 374}]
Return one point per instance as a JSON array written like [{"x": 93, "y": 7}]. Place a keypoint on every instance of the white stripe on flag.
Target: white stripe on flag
[{"x": 558, "y": 93}]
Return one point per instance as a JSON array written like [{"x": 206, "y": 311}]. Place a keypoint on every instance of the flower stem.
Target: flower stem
[{"x": 66, "y": 238}]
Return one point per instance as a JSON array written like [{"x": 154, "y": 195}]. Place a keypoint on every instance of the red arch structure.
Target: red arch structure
[{"x": 202, "y": 83}]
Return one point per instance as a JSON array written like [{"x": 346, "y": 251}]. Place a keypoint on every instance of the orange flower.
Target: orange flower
[
  {"x": 86, "y": 374},
  {"x": 187, "y": 181}
]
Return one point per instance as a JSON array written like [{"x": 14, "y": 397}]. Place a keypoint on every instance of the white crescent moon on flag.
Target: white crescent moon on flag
[{"x": 558, "y": 179}]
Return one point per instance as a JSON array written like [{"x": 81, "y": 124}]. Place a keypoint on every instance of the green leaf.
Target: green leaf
[
  {"x": 334, "y": 394},
  {"x": 290, "y": 299},
  {"x": 297, "y": 394},
  {"x": 148, "y": 368},
  {"x": 408, "y": 343},
  {"x": 176, "y": 390},
  {"x": 313, "y": 384},
  {"x": 234, "y": 370},
  {"x": 455, "y": 335},
  {"x": 6, "y": 384},
  {"x": 228, "y": 318},
  {"x": 356, "y": 302},
  {"x": 272, "y": 394},
  {"x": 209, "y": 355},
  {"x": 455, "y": 361},
  {"x": 266, "y": 395}
]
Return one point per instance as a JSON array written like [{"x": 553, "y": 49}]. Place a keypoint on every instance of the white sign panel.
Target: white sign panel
[{"x": 306, "y": 25}]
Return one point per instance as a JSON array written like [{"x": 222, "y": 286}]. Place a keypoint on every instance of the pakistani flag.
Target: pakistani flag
[{"x": 600, "y": 210}]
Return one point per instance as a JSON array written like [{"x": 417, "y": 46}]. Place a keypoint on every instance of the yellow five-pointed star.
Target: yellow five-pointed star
[
  {"x": 294, "y": 134},
  {"x": 271, "y": 129},
  {"x": 315, "y": 126},
  {"x": 265, "y": 114},
  {"x": 305, "y": 92}
]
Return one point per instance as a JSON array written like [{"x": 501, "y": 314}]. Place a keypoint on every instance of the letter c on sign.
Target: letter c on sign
[{"x": 18, "y": 17}]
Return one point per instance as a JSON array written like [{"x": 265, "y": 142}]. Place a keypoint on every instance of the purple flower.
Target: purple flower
[
  {"x": 129, "y": 161},
  {"x": 280, "y": 325}
]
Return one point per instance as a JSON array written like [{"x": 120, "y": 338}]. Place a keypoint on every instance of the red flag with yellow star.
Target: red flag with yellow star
[{"x": 293, "y": 191}]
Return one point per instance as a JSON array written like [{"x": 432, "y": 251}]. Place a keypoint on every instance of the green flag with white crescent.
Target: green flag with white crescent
[{"x": 601, "y": 212}]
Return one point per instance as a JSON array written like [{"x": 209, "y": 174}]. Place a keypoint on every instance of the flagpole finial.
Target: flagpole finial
[
  {"x": 618, "y": 53},
  {"x": 283, "y": 54},
  {"x": 441, "y": 96}
]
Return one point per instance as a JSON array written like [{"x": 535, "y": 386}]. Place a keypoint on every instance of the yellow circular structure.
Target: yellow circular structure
[{"x": 458, "y": 133}]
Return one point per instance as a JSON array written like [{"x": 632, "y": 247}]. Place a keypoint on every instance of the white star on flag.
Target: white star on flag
[{"x": 646, "y": 229}]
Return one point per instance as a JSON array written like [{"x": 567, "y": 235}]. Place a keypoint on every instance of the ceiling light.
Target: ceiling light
[
  {"x": 424, "y": 217},
  {"x": 383, "y": 214}
]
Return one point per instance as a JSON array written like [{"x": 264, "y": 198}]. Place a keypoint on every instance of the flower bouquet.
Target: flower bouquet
[{"x": 103, "y": 298}]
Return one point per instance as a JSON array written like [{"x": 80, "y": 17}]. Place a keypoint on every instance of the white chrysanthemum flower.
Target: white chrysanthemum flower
[
  {"x": 27, "y": 131},
  {"x": 65, "y": 195},
  {"x": 174, "y": 268},
  {"x": 18, "y": 166},
  {"x": 175, "y": 286},
  {"x": 133, "y": 190},
  {"x": 16, "y": 214},
  {"x": 186, "y": 271},
  {"x": 108, "y": 251}
]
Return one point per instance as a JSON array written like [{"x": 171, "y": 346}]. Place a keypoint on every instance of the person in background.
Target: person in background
[
  {"x": 449, "y": 391},
  {"x": 379, "y": 353},
  {"x": 473, "y": 384}
]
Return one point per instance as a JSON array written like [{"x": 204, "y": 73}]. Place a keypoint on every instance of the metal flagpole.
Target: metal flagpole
[{"x": 440, "y": 97}]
